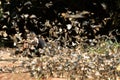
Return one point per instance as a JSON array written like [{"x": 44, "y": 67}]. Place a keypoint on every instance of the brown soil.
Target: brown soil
[
  {"x": 16, "y": 76},
  {"x": 7, "y": 62}
]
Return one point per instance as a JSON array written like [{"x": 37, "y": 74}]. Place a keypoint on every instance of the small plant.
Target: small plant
[{"x": 107, "y": 46}]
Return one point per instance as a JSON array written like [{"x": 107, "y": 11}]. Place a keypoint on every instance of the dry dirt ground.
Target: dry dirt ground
[{"x": 10, "y": 67}]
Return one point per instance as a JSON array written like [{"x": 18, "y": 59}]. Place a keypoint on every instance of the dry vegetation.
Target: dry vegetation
[{"x": 54, "y": 39}]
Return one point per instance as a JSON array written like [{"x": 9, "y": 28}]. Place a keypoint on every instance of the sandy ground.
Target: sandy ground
[{"x": 7, "y": 62}]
